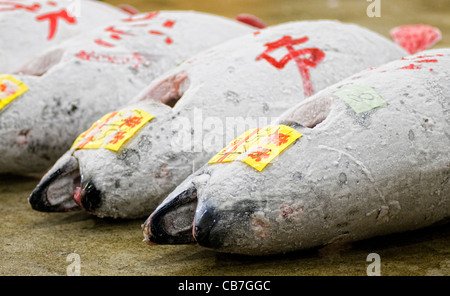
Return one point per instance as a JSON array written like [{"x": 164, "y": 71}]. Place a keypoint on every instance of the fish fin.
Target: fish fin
[
  {"x": 128, "y": 9},
  {"x": 167, "y": 91},
  {"x": 250, "y": 20},
  {"x": 41, "y": 64},
  {"x": 310, "y": 113},
  {"x": 415, "y": 38}
]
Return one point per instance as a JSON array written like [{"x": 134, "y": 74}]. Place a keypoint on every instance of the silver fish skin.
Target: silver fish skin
[
  {"x": 29, "y": 27},
  {"x": 81, "y": 79},
  {"x": 227, "y": 81},
  {"x": 351, "y": 176}
]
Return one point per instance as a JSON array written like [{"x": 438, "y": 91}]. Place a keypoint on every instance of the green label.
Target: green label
[{"x": 361, "y": 98}]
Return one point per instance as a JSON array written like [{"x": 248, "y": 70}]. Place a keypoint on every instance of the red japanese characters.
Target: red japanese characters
[{"x": 311, "y": 57}]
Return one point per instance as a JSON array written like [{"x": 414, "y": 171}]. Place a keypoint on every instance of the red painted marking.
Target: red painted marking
[
  {"x": 256, "y": 33},
  {"x": 236, "y": 144},
  {"x": 147, "y": 16},
  {"x": 135, "y": 58},
  {"x": 52, "y": 3},
  {"x": 427, "y": 61},
  {"x": 53, "y": 20},
  {"x": 411, "y": 67},
  {"x": 103, "y": 43},
  {"x": 250, "y": 20},
  {"x": 2, "y": 87},
  {"x": 168, "y": 40},
  {"x": 315, "y": 56},
  {"x": 415, "y": 38},
  {"x": 17, "y": 6},
  {"x": 423, "y": 59},
  {"x": 116, "y": 31},
  {"x": 156, "y": 32},
  {"x": 169, "y": 24}
]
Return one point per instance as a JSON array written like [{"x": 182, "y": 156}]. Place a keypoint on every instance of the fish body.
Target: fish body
[
  {"x": 81, "y": 79},
  {"x": 28, "y": 27},
  {"x": 373, "y": 159},
  {"x": 204, "y": 102}
]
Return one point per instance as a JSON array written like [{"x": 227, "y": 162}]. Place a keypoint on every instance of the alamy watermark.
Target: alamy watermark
[
  {"x": 74, "y": 8},
  {"x": 210, "y": 134},
  {"x": 74, "y": 268},
  {"x": 374, "y": 268},
  {"x": 374, "y": 8}
]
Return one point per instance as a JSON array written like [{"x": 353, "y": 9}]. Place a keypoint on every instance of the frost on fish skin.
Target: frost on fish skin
[
  {"x": 225, "y": 81},
  {"x": 27, "y": 37},
  {"x": 350, "y": 177},
  {"x": 79, "y": 81}
]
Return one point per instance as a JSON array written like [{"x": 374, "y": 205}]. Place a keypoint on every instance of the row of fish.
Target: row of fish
[{"x": 334, "y": 132}]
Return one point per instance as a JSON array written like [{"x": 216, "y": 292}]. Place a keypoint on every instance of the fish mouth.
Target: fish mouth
[
  {"x": 182, "y": 219},
  {"x": 63, "y": 189},
  {"x": 171, "y": 223}
]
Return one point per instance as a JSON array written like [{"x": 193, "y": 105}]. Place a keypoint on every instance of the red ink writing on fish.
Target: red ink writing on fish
[
  {"x": 10, "y": 6},
  {"x": 117, "y": 34},
  {"x": 315, "y": 56},
  {"x": 134, "y": 59},
  {"x": 103, "y": 43},
  {"x": 53, "y": 18},
  {"x": 419, "y": 60},
  {"x": 168, "y": 24}
]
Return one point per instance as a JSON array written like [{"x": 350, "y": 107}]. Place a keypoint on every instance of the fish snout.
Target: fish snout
[
  {"x": 204, "y": 229},
  {"x": 55, "y": 191},
  {"x": 171, "y": 223}
]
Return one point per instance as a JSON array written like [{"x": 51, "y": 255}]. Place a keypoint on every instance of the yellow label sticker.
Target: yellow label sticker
[
  {"x": 10, "y": 89},
  {"x": 262, "y": 145},
  {"x": 112, "y": 130}
]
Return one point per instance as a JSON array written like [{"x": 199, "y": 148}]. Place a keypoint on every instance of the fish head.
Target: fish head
[
  {"x": 115, "y": 183},
  {"x": 55, "y": 192},
  {"x": 208, "y": 211},
  {"x": 172, "y": 221},
  {"x": 233, "y": 207}
]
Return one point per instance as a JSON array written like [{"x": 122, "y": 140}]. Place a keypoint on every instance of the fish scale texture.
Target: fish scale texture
[
  {"x": 227, "y": 81},
  {"x": 351, "y": 177},
  {"x": 89, "y": 79},
  {"x": 29, "y": 27}
]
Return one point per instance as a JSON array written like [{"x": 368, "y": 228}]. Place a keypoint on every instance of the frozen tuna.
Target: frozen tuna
[
  {"x": 365, "y": 157},
  {"x": 125, "y": 172},
  {"x": 58, "y": 94},
  {"x": 28, "y": 27}
]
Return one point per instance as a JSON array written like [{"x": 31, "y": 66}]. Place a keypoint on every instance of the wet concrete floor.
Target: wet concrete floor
[{"x": 34, "y": 243}]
